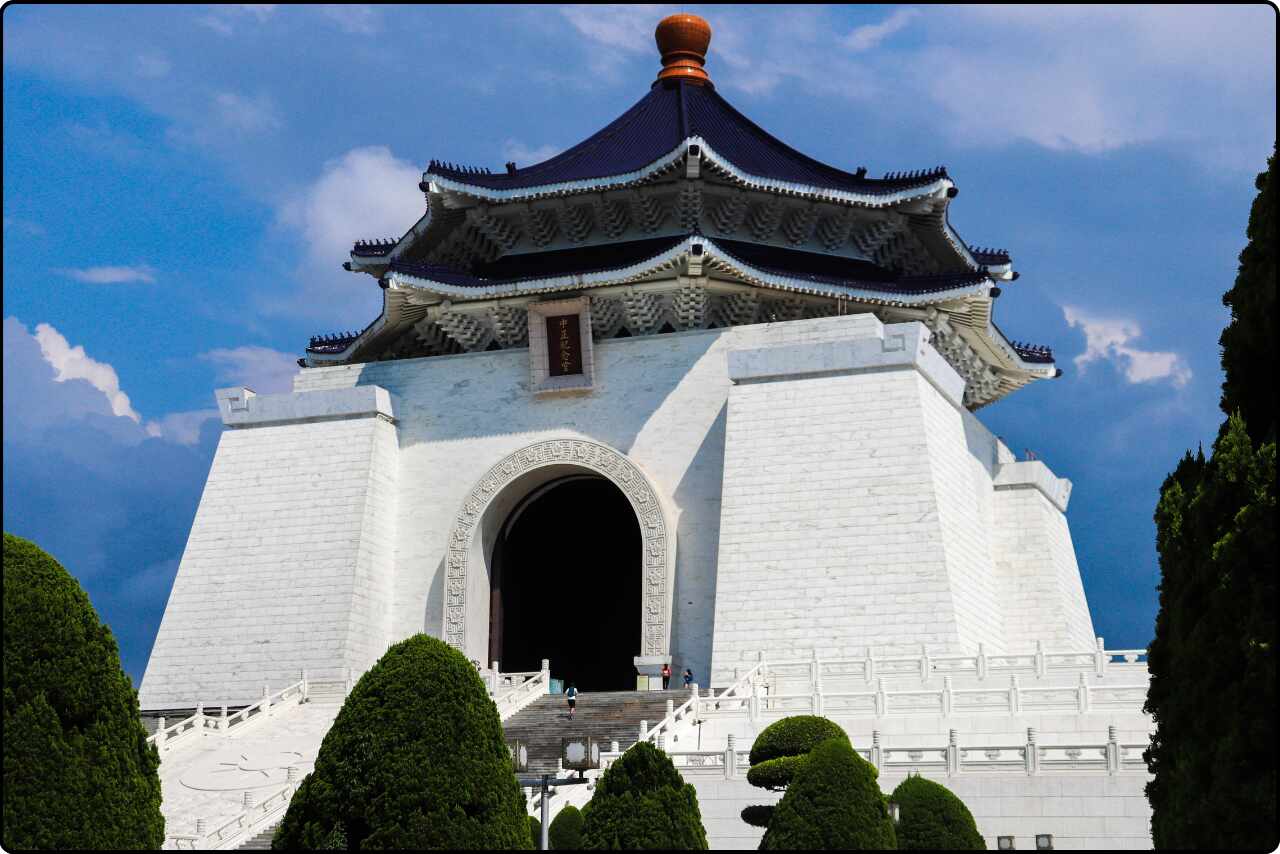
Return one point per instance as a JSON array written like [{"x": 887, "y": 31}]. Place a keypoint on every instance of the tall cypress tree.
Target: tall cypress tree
[{"x": 1212, "y": 661}]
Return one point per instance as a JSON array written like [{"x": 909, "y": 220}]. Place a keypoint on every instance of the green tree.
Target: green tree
[
  {"x": 834, "y": 802},
  {"x": 1212, "y": 660},
  {"x": 535, "y": 832},
  {"x": 1249, "y": 340},
  {"x": 932, "y": 818},
  {"x": 642, "y": 802},
  {"x": 777, "y": 754},
  {"x": 565, "y": 833},
  {"x": 415, "y": 759},
  {"x": 78, "y": 772}
]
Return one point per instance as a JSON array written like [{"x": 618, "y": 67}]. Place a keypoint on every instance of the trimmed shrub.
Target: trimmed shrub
[
  {"x": 78, "y": 772},
  {"x": 642, "y": 802},
  {"x": 931, "y": 817},
  {"x": 565, "y": 833},
  {"x": 415, "y": 759},
  {"x": 778, "y": 753},
  {"x": 833, "y": 803},
  {"x": 535, "y": 832}
]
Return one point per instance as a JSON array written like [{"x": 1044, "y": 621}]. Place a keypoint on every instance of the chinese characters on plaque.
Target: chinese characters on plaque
[{"x": 564, "y": 345}]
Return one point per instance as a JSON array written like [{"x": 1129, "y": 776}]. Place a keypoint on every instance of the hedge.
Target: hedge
[
  {"x": 415, "y": 759},
  {"x": 642, "y": 802},
  {"x": 931, "y": 817},
  {"x": 535, "y": 832},
  {"x": 833, "y": 803},
  {"x": 78, "y": 772},
  {"x": 565, "y": 833}
]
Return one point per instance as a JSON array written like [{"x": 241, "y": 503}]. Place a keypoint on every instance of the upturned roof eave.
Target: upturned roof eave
[{"x": 440, "y": 182}]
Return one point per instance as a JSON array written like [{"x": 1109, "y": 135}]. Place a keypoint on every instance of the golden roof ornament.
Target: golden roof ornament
[{"x": 683, "y": 40}]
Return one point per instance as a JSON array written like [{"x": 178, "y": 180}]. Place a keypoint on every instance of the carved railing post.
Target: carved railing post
[
  {"x": 869, "y": 667},
  {"x": 266, "y": 699},
  {"x": 925, "y": 665},
  {"x": 1040, "y": 664},
  {"x": 876, "y": 753},
  {"x": 291, "y": 774},
  {"x": 882, "y": 701},
  {"x": 1113, "y": 752},
  {"x": 730, "y": 758},
  {"x": 1014, "y": 700},
  {"x": 644, "y": 729},
  {"x": 1033, "y": 752},
  {"x": 946, "y": 696},
  {"x": 1100, "y": 659},
  {"x": 982, "y": 662},
  {"x": 953, "y": 754},
  {"x": 248, "y": 800},
  {"x": 160, "y": 736},
  {"x": 306, "y": 686},
  {"x": 1082, "y": 695},
  {"x": 222, "y": 720}
]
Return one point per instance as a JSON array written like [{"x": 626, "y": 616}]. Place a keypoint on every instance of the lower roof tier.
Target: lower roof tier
[{"x": 679, "y": 284}]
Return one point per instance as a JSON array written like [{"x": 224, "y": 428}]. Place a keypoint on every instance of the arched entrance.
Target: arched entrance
[
  {"x": 509, "y": 484},
  {"x": 570, "y": 599}
]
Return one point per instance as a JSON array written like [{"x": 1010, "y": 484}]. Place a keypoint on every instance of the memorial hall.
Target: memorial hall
[{"x": 679, "y": 395}]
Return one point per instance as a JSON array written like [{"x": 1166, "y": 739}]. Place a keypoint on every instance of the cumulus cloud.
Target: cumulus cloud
[
  {"x": 612, "y": 35},
  {"x": 523, "y": 155},
  {"x": 72, "y": 363},
  {"x": 1110, "y": 339},
  {"x": 262, "y": 369},
  {"x": 90, "y": 486},
  {"x": 223, "y": 19},
  {"x": 110, "y": 275},
  {"x": 871, "y": 35},
  {"x": 365, "y": 193},
  {"x": 182, "y": 428}
]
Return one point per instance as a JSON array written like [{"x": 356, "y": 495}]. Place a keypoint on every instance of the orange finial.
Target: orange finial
[{"x": 682, "y": 41}]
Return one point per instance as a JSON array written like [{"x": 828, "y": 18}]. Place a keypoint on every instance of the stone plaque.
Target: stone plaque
[{"x": 564, "y": 345}]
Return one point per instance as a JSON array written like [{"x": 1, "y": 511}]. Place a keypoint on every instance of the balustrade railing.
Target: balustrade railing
[
  {"x": 167, "y": 737},
  {"x": 511, "y": 692},
  {"x": 255, "y": 815},
  {"x": 1110, "y": 757}
]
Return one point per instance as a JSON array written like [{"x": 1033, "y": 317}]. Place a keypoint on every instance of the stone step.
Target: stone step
[
  {"x": 260, "y": 841},
  {"x": 605, "y": 715}
]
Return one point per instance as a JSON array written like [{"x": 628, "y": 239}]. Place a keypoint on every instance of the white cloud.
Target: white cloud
[
  {"x": 871, "y": 35},
  {"x": 222, "y": 19},
  {"x": 357, "y": 19},
  {"x": 110, "y": 275},
  {"x": 1108, "y": 339},
  {"x": 246, "y": 114},
  {"x": 365, "y": 193},
  {"x": 613, "y": 35},
  {"x": 181, "y": 428},
  {"x": 524, "y": 156},
  {"x": 72, "y": 363},
  {"x": 262, "y": 369}
]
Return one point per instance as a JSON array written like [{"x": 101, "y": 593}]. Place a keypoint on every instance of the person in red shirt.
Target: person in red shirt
[{"x": 666, "y": 676}]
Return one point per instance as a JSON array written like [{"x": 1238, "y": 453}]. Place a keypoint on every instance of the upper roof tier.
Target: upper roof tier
[{"x": 654, "y": 133}]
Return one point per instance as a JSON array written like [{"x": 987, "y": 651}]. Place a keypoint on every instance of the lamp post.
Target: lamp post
[
  {"x": 1044, "y": 841},
  {"x": 1005, "y": 843},
  {"x": 544, "y": 781}
]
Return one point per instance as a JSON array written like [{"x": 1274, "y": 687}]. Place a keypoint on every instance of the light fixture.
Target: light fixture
[
  {"x": 1005, "y": 843},
  {"x": 1044, "y": 841}
]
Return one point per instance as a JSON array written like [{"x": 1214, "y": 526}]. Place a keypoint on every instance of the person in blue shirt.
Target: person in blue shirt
[
  {"x": 688, "y": 677},
  {"x": 572, "y": 693}
]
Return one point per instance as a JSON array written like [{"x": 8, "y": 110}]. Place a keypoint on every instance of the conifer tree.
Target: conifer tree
[
  {"x": 642, "y": 802},
  {"x": 78, "y": 771},
  {"x": 1212, "y": 661},
  {"x": 415, "y": 759}
]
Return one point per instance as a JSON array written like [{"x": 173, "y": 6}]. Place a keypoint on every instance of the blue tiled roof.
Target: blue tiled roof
[
  {"x": 811, "y": 266},
  {"x": 671, "y": 113}
]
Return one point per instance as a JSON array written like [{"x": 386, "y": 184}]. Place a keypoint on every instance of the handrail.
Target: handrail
[
  {"x": 521, "y": 695},
  {"x": 163, "y": 737}
]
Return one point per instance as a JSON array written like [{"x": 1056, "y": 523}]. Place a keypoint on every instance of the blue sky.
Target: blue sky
[{"x": 181, "y": 184}]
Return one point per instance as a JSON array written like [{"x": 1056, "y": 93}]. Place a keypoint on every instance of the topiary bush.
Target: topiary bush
[
  {"x": 535, "y": 832},
  {"x": 642, "y": 802},
  {"x": 931, "y": 817},
  {"x": 565, "y": 833},
  {"x": 777, "y": 754},
  {"x": 78, "y": 772},
  {"x": 415, "y": 759},
  {"x": 833, "y": 803}
]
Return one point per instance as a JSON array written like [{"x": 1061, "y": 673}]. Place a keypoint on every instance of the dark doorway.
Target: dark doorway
[{"x": 566, "y": 585}]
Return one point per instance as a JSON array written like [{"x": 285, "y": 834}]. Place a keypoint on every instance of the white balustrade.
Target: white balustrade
[{"x": 167, "y": 737}]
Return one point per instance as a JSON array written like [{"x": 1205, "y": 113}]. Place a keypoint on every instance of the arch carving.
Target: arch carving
[{"x": 656, "y": 532}]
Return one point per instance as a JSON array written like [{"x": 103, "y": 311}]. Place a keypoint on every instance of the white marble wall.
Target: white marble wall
[
  {"x": 288, "y": 564},
  {"x": 857, "y": 505}
]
